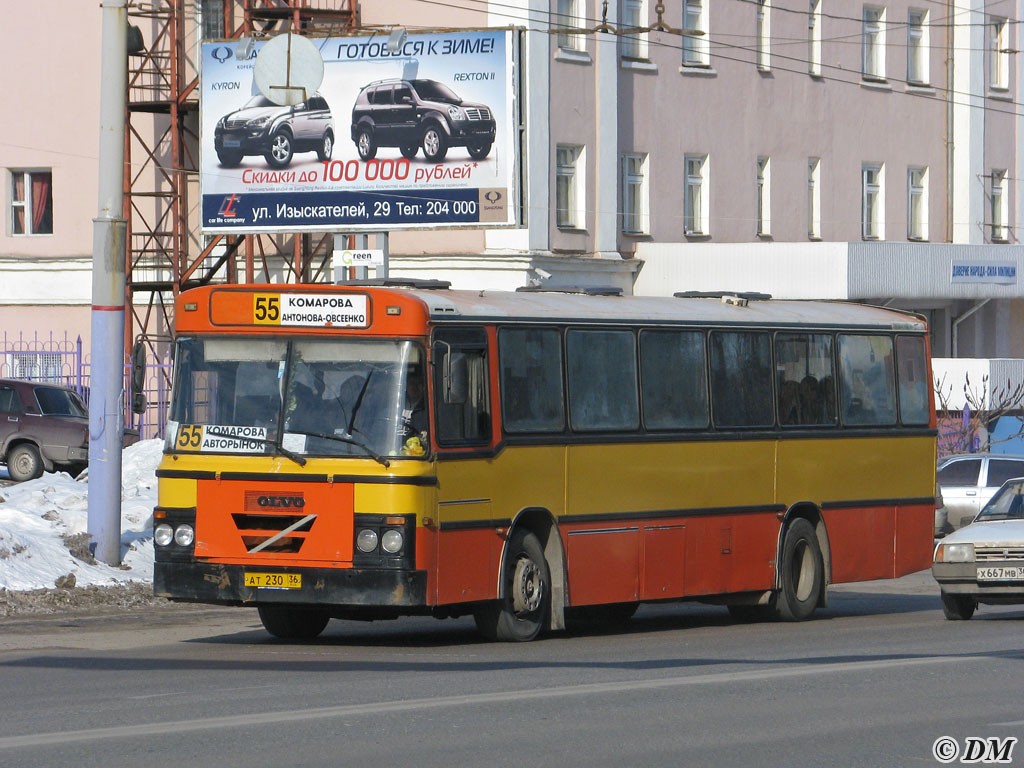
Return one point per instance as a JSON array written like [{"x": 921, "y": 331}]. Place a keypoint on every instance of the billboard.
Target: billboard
[{"x": 425, "y": 136}]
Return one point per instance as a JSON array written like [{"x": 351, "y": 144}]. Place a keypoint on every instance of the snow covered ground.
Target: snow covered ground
[{"x": 44, "y": 520}]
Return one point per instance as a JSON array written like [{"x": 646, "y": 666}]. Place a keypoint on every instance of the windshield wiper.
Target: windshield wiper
[
  {"x": 297, "y": 458},
  {"x": 349, "y": 440},
  {"x": 358, "y": 403}
]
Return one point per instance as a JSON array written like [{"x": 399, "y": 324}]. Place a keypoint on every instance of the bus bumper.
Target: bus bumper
[{"x": 225, "y": 584}]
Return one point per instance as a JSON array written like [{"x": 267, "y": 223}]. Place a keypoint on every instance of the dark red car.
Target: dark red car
[{"x": 43, "y": 427}]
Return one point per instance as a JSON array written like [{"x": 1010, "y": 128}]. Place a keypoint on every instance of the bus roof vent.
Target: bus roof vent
[
  {"x": 586, "y": 290},
  {"x": 736, "y": 298},
  {"x": 400, "y": 282}
]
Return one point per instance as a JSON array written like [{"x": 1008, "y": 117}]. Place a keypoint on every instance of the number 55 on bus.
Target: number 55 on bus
[{"x": 527, "y": 458}]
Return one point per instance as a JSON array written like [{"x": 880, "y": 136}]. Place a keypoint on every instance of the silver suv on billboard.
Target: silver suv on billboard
[
  {"x": 419, "y": 114},
  {"x": 274, "y": 131}
]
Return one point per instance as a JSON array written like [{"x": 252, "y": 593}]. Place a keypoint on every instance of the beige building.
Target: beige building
[{"x": 825, "y": 149}]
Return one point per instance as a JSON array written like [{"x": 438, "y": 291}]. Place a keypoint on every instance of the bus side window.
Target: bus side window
[
  {"x": 673, "y": 377},
  {"x": 741, "y": 379},
  {"x": 462, "y": 409},
  {"x": 913, "y": 385},
  {"x": 867, "y": 382},
  {"x": 803, "y": 364},
  {"x": 530, "y": 361}
]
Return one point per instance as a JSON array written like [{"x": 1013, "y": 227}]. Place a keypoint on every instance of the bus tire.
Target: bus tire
[
  {"x": 957, "y": 607},
  {"x": 520, "y": 615},
  {"x": 293, "y": 623},
  {"x": 801, "y": 572}
]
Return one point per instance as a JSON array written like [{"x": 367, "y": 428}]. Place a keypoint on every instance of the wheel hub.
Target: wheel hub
[
  {"x": 527, "y": 587},
  {"x": 430, "y": 144}
]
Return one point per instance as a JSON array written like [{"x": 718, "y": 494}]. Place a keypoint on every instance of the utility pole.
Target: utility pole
[{"x": 106, "y": 398}]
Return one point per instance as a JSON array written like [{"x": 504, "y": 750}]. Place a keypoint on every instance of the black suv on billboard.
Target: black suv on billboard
[
  {"x": 274, "y": 131},
  {"x": 415, "y": 114}
]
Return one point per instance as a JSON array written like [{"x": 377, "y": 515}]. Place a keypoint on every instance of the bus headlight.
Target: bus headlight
[
  {"x": 184, "y": 535},
  {"x": 391, "y": 542},
  {"x": 163, "y": 534},
  {"x": 366, "y": 541}
]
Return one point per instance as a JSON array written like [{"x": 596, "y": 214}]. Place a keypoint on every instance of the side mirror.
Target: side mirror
[{"x": 138, "y": 377}]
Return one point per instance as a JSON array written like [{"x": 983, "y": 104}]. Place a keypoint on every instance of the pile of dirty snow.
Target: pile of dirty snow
[{"x": 43, "y": 530}]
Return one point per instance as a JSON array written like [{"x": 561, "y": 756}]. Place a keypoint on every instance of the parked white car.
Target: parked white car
[
  {"x": 967, "y": 481},
  {"x": 984, "y": 561}
]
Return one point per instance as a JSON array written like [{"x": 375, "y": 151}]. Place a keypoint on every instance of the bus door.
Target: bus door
[{"x": 469, "y": 546}]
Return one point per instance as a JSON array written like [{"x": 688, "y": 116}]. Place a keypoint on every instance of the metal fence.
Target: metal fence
[{"x": 64, "y": 361}]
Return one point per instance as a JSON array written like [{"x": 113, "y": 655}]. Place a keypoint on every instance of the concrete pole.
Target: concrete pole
[
  {"x": 384, "y": 243},
  {"x": 106, "y": 399}
]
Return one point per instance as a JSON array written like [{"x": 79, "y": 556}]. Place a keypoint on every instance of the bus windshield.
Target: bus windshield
[{"x": 316, "y": 397}]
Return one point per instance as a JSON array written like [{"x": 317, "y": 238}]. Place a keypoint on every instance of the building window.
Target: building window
[
  {"x": 634, "y": 16},
  {"x": 569, "y": 210},
  {"x": 998, "y": 200},
  {"x": 873, "y": 201},
  {"x": 634, "y": 194},
  {"x": 31, "y": 202},
  {"x": 764, "y": 196},
  {"x": 874, "y": 43},
  {"x": 917, "y": 203},
  {"x": 695, "y": 46},
  {"x": 999, "y": 59},
  {"x": 814, "y": 198},
  {"x": 917, "y": 47},
  {"x": 212, "y": 18},
  {"x": 567, "y": 15},
  {"x": 695, "y": 197},
  {"x": 814, "y": 38},
  {"x": 764, "y": 35}
]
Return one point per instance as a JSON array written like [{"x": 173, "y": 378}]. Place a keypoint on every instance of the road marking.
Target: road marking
[{"x": 468, "y": 700}]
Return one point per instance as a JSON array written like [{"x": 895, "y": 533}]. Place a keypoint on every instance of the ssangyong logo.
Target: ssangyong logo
[
  {"x": 261, "y": 501},
  {"x": 492, "y": 197},
  {"x": 221, "y": 53}
]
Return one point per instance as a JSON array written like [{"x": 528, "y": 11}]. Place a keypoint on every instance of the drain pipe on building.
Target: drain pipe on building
[
  {"x": 106, "y": 397},
  {"x": 956, "y": 325}
]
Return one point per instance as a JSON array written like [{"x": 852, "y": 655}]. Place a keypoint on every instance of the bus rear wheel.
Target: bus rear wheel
[
  {"x": 802, "y": 572},
  {"x": 293, "y": 623},
  {"x": 519, "y": 615}
]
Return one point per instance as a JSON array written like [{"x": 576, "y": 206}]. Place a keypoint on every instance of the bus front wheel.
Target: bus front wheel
[
  {"x": 293, "y": 623},
  {"x": 802, "y": 572},
  {"x": 526, "y": 580}
]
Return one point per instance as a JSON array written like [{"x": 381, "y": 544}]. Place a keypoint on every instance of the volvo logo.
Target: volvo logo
[{"x": 287, "y": 502}]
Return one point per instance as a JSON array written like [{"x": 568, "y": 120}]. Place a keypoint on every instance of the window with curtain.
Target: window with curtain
[{"x": 31, "y": 202}]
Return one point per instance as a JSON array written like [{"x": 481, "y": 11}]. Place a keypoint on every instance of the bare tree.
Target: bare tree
[{"x": 984, "y": 406}]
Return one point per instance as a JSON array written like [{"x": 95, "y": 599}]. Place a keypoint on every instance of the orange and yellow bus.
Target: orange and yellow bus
[{"x": 377, "y": 450}]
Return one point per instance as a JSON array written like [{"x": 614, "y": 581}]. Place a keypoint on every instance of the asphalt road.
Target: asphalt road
[{"x": 874, "y": 680}]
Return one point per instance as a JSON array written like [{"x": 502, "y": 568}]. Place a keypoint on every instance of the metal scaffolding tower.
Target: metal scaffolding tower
[{"x": 166, "y": 253}]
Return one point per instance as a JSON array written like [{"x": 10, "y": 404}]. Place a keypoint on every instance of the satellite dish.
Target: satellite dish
[{"x": 288, "y": 70}]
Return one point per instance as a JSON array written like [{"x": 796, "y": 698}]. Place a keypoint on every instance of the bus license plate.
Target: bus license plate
[
  {"x": 1013, "y": 573},
  {"x": 273, "y": 580}
]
